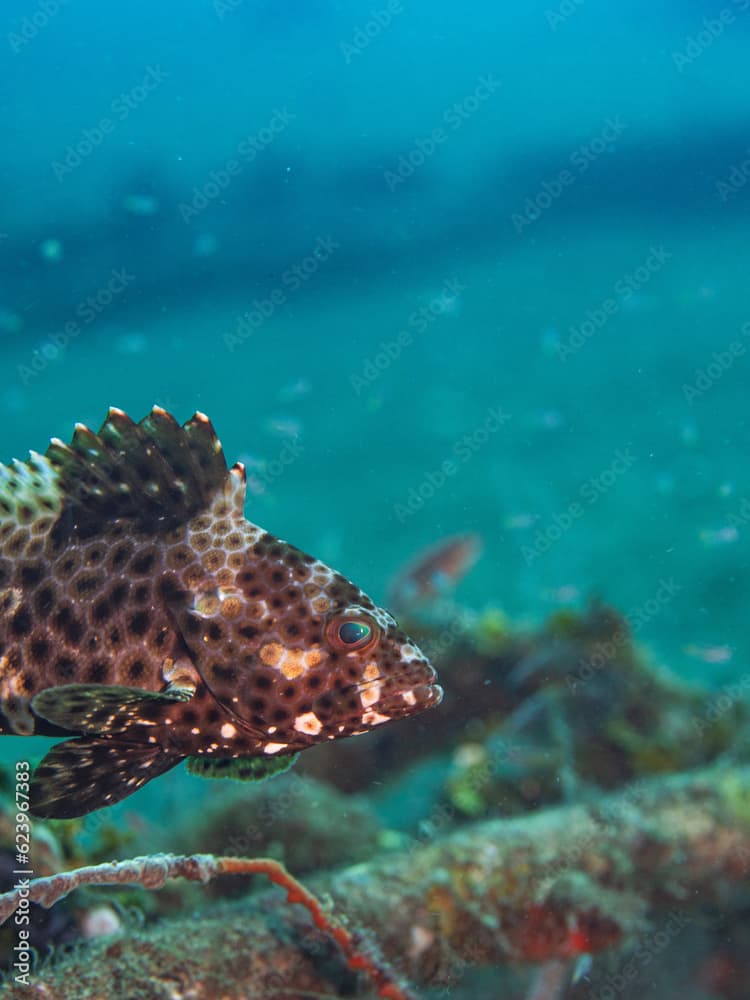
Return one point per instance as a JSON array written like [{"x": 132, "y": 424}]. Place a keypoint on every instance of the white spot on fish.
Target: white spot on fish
[
  {"x": 375, "y": 719},
  {"x": 370, "y": 695},
  {"x": 228, "y": 731},
  {"x": 308, "y": 723},
  {"x": 274, "y": 747}
]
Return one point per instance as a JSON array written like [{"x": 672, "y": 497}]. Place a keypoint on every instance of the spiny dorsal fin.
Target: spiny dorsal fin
[
  {"x": 156, "y": 473},
  {"x": 78, "y": 776},
  {"x": 152, "y": 471},
  {"x": 240, "y": 768}
]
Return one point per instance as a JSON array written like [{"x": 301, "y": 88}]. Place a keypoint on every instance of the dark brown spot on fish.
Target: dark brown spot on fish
[
  {"x": 137, "y": 670},
  {"x": 21, "y": 622},
  {"x": 94, "y": 555},
  {"x": 31, "y": 574},
  {"x": 44, "y": 601},
  {"x": 67, "y": 623},
  {"x": 213, "y": 560},
  {"x": 139, "y": 623},
  {"x": 120, "y": 556},
  {"x": 143, "y": 563},
  {"x": 64, "y": 667},
  {"x": 224, "y": 673},
  {"x": 102, "y": 611},
  {"x": 201, "y": 542},
  {"x": 97, "y": 672},
  {"x": 179, "y": 557},
  {"x": 40, "y": 650},
  {"x": 119, "y": 593},
  {"x": 17, "y": 544},
  {"x": 87, "y": 584}
]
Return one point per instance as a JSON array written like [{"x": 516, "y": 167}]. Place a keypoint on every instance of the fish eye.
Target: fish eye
[{"x": 351, "y": 634}]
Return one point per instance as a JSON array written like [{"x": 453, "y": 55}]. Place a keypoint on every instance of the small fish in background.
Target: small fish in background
[
  {"x": 435, "y": 571},
  {"x": 546, "y": 420},
  {"x": 568, "y": 593},
  {"x": 664, "y": 483},
  {"x": 552, "y": 980},
  {"x": 689, "y": 434},
  {"x": 287, "y": 427},
  {"x": 146, "y": 620},
  {"x": 708, "y": 654},
  {"x": 714, "y": 537},
  {"x": 446, "y": 301},
  {"x": 205, "y": 245},
  {"x": 294, "y": 390},
  {"x": 141, "y": 204},
  {"x": 550, "y": 342},
  {"x": 133, "y": 342},
  {"x": 51, "y": 250},
  {"x": 520, "y": 522},
  {"x": 11, "y": 324}
]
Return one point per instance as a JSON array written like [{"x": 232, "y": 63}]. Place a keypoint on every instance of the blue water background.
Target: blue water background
[{"x": 422, "y": 143}]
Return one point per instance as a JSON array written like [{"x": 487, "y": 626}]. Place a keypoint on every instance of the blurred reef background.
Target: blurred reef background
[{"x": 473, "y": 278}]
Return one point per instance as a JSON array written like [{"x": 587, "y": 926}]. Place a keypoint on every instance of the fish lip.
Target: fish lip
[
  {"x": 425, "y": 696},
  {"x": 433, "y": 693}
]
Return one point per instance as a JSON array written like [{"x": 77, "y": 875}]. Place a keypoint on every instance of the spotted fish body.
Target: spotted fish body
[{"x": 143, "y": 614}]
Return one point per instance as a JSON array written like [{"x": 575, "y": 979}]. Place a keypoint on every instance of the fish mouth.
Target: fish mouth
[
  {"x": 427, "y": 695},
  {"x": 405, "y": 698}
]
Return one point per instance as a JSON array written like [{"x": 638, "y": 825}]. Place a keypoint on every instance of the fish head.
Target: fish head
[{"x": 300, "y": 655}]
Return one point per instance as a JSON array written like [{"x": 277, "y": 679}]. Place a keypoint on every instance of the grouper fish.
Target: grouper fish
[{"x": 144, "y": 618}]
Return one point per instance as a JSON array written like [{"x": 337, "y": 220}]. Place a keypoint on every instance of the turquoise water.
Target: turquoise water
[{"x": 428, "y": 269}]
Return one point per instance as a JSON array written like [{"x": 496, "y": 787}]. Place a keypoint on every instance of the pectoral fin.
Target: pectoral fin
[
  {"x": 104, "y": 708},
  {"x": 240, "y": 768},
  {"x": 78, "y": 776}
]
